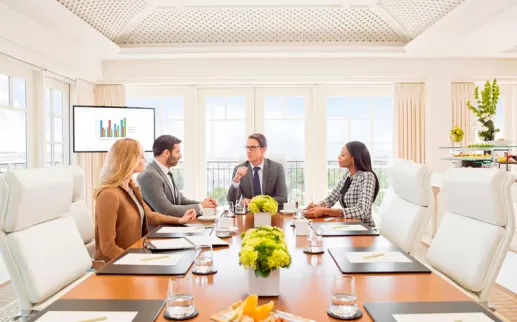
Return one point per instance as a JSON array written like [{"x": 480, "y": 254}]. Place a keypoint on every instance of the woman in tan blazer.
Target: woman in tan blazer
[{"x": 120, "y": 212}]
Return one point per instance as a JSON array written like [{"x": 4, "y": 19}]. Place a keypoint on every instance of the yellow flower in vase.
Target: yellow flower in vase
[{"x": 456, "y": 135}]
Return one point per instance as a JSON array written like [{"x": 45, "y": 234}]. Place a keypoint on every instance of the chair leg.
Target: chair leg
[
  {"x": 23, "y": 316},
  {"x": 488, "y": 305}
]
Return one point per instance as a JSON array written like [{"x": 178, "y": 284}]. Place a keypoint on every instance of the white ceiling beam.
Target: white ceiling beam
[
  {"x": 474, "y": 28},
  {"x": 392, "y": 22}
]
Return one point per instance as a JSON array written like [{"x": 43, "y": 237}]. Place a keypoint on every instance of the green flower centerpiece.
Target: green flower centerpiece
[
  {"x": 263, "y": 207},
  {"x": 485, "y": 110},
  {"x": 263, "y": 252},
  {"x": 456, "y": 135}
]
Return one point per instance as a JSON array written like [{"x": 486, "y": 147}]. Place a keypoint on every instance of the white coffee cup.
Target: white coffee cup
[
  {"x": 302, "y": 226},
  {"x": 208, "y": 212},
  {"x": 289, "y": 207},
  {"x": 225, "y": 222}
]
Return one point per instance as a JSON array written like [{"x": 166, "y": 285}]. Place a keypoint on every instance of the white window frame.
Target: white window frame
[
  {"x": 203, "y": 93},
  {"x": 320, "y": 151},
  {"x": 189, "y": 117},
  {"x": 307, "y": 93},
  {"x": 53, "y": 85},
  {"x": 14, "y": 69}
]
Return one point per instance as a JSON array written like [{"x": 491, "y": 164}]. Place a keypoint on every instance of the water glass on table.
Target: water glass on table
[
  {"x": 314, "y": 241},
  {"x": 344, "y": 298},
  {"x": 180, "y": 299},
  {"x": 204, "y": 262},
  {"x": 229, "y": 210}
]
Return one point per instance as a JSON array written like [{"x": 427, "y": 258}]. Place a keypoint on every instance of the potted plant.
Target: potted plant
[
  {"x": 263, "y": 252},
  {"x": 485, "y": 110},
  {"x": 263, "y": 207}
]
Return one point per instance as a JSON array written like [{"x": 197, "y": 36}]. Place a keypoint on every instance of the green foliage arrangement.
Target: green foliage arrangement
[{"x": 485, "y": 110}]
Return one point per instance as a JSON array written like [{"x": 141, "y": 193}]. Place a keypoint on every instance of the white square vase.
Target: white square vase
[
  {"x": 269, "y": 286},
  {"x": 262, "y": 219}
]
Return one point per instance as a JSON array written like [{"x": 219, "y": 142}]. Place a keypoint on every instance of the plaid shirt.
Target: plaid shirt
[{"x": 358, "y": 198}]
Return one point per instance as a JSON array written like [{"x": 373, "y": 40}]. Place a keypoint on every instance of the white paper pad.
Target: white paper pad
[
  {"x": 135, "y": 259},
  {"x": 388, "y": 257},
  {"x": 206, "y": 240},
  {"x": 176, "y": 243},
  {"x": 343, "y": 227},
  {"x": 443, "y": 317},
  {"x": 181, "y": 230},
  {"x": 77, "y": 316}
]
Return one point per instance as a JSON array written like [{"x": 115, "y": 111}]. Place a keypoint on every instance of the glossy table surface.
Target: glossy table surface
[{"x": 305, "y": 288}]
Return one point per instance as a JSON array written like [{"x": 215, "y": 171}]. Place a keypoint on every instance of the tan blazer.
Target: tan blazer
[{"x": 118, "y": 224}]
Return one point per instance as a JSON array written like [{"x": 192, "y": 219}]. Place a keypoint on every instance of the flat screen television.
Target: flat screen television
[{"x": 96, "y": 128}]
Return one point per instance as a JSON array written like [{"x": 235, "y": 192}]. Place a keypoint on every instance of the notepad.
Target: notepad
[
  {"x": 150, "y": 259},
  {"x": 206, "y": 240},
  {"x": 377, "y": 257},
  {"x": 174, "y": 243},
  {"x": 343, "y": 227},
  {"x": 443, "y": 317},
  {"x": 180, "y": 230},
  {"x": 83, "y": 316}
]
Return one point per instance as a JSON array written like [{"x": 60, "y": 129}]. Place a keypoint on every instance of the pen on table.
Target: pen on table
[
  {"x": 101, "y": 318},
  {"x": 153, "y": 258},
  {"x": 293, "y": 316},
  {"x": 374, "y": 256}
]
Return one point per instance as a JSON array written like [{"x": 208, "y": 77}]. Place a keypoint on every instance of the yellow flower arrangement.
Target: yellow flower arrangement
[
  {"x": 263, "y": 203},
  {"x": 264, "y": 249}
]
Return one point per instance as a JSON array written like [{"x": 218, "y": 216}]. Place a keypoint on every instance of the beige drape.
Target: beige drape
[
  {"x": 409, "y": 121},
  {"x": 461, "y": 115},
  {"x": 101, "y": 95}
]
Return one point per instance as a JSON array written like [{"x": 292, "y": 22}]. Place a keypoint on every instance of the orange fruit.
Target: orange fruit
[
  {"x": 262, "y": 312},
  {"x": 250, "y": 304}
]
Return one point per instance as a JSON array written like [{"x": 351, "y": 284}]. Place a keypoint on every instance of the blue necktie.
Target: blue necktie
[{"x": 256, "y": 181}]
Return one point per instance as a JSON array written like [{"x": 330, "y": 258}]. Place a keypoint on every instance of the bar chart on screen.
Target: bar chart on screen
[{"x": 109, "y": 129}]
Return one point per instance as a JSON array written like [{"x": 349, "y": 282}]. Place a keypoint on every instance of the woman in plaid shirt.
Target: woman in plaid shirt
[{"x": 356, "y": 192}]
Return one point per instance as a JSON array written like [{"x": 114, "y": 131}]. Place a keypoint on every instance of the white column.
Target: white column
[
  {"x": 319, "y": 137},
  {"x": 438, "y": 121},
  {"x": 190, "y": 144}
]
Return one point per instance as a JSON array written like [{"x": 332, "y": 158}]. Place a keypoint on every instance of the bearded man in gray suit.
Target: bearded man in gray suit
[
  {"x": 157, "y": 183},
  {"x": 258, "y": 175}
]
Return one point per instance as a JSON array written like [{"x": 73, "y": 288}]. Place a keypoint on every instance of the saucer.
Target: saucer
[
  {"x": 357, "y": 315},
  {"x": 187, "y": 317},
  {"x": 207, "y": 218},
  {"x": 287, "y": 211},
  {"x": 210, "y": 272},
  {"x": 308, "y": 250}
]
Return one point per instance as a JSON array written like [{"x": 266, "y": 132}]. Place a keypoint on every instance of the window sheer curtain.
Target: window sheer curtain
[
  {"x": 461, "y": 115},
  {"x": 101, "y": 95},
  {"x": 409, "y": 119}
]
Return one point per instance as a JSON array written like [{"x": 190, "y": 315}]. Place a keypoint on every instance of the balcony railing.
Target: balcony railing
[{"x": 219, "y": 176}]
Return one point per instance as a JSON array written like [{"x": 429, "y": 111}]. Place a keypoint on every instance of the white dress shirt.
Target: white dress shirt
[
  {"x": 166, "y": 171},
  {"x": 260, "y": 172}
]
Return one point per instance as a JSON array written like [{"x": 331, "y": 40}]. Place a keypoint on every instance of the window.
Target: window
[
  {"x": 368, "y": 119},
  {"x": 13, "y": 123},
  {"x": 225, "y": 139},
  {"x": 284, "y": 128},
  {"x": 56, "y": 109},
  {"x": 169, "y": 119}
]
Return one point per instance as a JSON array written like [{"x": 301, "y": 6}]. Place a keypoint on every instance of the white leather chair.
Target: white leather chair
[
  {"x": 79, "y": 210},
  {"x": 476, "y": 230},
  {"x": 405, "y": 218},
  {"x": 40, "y": 244}
]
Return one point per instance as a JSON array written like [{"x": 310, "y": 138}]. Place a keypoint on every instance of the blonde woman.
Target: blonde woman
[{"x": 120, "y": 212}]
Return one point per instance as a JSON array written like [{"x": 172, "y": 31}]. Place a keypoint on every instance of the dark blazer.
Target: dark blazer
[
  {"x": 273, "y": 183},
  {"x": 157, "y": 191}
]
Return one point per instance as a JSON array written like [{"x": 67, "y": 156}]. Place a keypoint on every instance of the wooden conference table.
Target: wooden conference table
[{"x": 305, "y": 288}]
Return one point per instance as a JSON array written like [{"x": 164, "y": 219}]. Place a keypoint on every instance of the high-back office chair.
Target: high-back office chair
[
  {"x": 79, "y": 210},
  {"x": 40, "y": 244},
  {"x": 410, "y": 207},
  {"x": 476, "y": 230}
]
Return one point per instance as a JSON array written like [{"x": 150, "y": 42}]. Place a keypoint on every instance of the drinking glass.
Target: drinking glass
[
  {"x": 222, "y": 231},
  {"x": 204, "y": 263},
  {"x": 314, "y": 241},
  {"x": 231, "y": 211},
  {"x": 180, "y": 298},
  {"x": 344, "y": 299}
]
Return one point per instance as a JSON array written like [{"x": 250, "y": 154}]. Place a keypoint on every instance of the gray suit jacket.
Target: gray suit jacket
[
  {"x": 273, "y": 183},
  {"x": 157, "y": 192}
]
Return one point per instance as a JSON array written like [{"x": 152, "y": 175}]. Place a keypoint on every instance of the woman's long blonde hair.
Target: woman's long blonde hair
[{"x": 119, "y": 165}]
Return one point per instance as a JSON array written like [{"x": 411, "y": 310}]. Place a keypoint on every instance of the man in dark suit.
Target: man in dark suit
[
  {"x": 258, "y": 175},
  {"x": 157, "y": 183}
]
